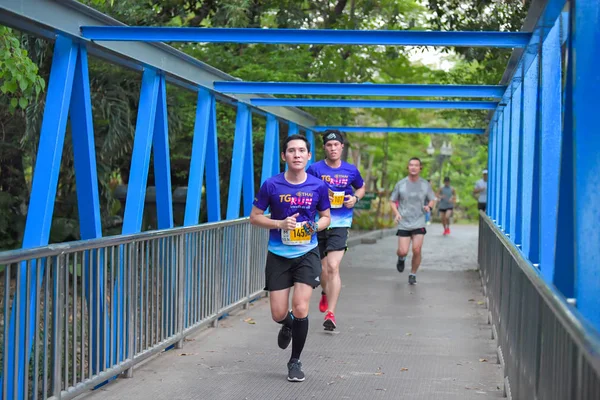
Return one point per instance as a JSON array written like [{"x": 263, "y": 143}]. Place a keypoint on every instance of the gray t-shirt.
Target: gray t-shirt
[
  {"x": 447, "y": 194},
  {"x": 481, "y": 196},
  {"x": 410, "y": 197}
]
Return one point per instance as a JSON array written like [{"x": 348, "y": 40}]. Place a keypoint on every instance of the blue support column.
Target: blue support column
[
  {"x": 237, "y": 162},
  {"x": 506, "y": 170},
  {"x": 248, "y": 176},
  {"x": 270, "y": 149},
  {"x": 550, "y": 160},
  {"x": 515, "y": 167},
  {"x": 498, "y": 187},
  {"x": 585, "y": 79},
  {"x": 84, "y": 151},
  {"x": 140, "y": 159},
  {"x": 564, "y": 262},
  {"x": 276, "y": 152},
  {"x": 198, "y": 159},
  {"x": 530, "y": 229},
  {"x": 162, "y": 160},
  {"x": 41, "y": 205},
  {"x": 491, "y": 169},
  {"x": 311, "y": 139},
  {"x": 213, "y": 186},
  {"x": 293, "y": 129}
]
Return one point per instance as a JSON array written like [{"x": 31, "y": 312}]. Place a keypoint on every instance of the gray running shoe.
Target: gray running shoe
[{"x": 295, "y": 373}]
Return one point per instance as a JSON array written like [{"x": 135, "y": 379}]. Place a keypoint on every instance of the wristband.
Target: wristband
[
  {"x": 310, "y": 227},
  {"x": 357, "y": 199}
]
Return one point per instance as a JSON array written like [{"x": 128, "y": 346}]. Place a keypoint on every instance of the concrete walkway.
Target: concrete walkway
[{"x": 395, "y": 341}]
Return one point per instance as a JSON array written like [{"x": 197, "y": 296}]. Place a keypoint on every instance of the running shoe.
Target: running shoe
[
  {"x": 323, "y": 304},
  {"x": 295, "y": 373},
  {"x": 412, "y": 279},
  {"x": 285, "y": 337},
  {"x": 400, "y": 264},
  {"x": 329, "y": 322}
]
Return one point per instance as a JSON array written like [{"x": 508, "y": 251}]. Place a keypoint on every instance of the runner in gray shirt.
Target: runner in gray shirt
[{"x": 407, "y": 201}]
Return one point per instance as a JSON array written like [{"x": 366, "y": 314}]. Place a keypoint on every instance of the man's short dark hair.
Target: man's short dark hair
[
  {"x": 415, "y": 159},
  {"x": 295, "y": 137},
  {"x": 447, "y": 179}
]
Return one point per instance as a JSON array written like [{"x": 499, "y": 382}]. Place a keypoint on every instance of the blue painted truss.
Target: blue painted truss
[
  {"x": 306, "y": 36},
  {"x": 377, "y": 129},
  {"x": 343, "y": 103}
]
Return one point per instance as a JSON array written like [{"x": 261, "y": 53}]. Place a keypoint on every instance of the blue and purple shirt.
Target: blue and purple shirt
[
  {"x": 286, "y": 199},
  {"x": 340, "y": 182}
]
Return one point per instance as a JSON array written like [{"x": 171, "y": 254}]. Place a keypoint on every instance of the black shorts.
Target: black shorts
[
  {"x": 403, "y": 233},
  {"x": 332, "y": 239},
  {"x": 443, "y": 210},
  {"x": 481, "y": 206},
  {"x": 281, "y": 273}
]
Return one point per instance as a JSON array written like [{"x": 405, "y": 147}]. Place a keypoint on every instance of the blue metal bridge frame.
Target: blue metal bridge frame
[{"x": 544, "y": 147}]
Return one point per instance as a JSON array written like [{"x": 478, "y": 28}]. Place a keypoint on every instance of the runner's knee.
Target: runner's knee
[
  {"x": 416, "y": 250},
  {"x": 402, "y": 252},
  {"x": 300, "y": 309}
]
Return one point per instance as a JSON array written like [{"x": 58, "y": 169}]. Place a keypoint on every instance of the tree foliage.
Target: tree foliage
[{"x": 24, "y": 67}]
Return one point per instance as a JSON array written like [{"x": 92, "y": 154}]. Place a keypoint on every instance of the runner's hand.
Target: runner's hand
[
  {"x": 426, "y": 209},
  {"x": 289, "y": 223},
  {"x": 349, "y": 201},
  {"x": 397, "y": 218}
]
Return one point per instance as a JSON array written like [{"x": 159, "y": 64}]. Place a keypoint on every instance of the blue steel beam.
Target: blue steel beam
[
  {"x": 196, "y": 175},
  {"x": 343, "y": 103},
  {"x": 270, "y": 151},
  {"x": 310, "y": 135},
  {"x": 248, "y": 175},
  {"x": 360, "y": 89},
  {"x": 213, "y": 186},
  {"x": 516, "y": 165},
  {"x": 585, "y": 79},
  {"x": 378, "y": 129},
  {"x": 550, "y": 140},
  {"x": 240, "y": 141},
  {"x": 140, "y": 159},
  {"x": 162, "y": 161},
  {"x": 306, "y": 36}
]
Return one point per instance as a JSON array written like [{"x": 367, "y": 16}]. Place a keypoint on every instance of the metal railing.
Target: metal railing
[
  {"x": 547, "y": 351},
  {"x": 93, "y": 309}
]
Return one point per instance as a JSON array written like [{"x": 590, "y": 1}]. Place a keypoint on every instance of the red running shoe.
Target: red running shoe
[
  {"x": 323, "y": 304},
  {"x": 329, "y": 322}
]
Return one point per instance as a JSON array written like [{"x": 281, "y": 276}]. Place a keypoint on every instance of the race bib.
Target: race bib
[
  {"x": 337, "y": 198},
  {"x": 295, "y": 237}
]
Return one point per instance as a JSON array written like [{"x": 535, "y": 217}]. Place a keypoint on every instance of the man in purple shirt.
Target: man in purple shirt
[
  {"x": 294, "y": 199},
  {"x": 340, "y": 177}
]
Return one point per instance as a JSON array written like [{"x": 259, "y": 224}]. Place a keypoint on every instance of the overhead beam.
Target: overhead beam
[
  {"x": 378, "y": 129},
  {"x": 343, "y": 103},
  {"x": 360, "y": 89},
  {"x": 305, "y": 36},
  {"x": 47, "y": 17}
]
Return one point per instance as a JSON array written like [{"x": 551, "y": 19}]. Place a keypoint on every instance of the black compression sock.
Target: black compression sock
[{"x": 299, "y": 333}]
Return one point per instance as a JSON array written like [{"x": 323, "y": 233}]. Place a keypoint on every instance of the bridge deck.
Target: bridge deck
[{"x": 429, "y": 341}]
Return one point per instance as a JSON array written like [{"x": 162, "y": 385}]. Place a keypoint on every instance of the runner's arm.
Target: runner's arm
[
  {"x": 324, "y": 220},
  {"x": 258, "y": 218},
  {"x": 360, "y": 192}
]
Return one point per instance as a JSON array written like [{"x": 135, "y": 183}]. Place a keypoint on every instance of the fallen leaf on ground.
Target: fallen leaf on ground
[
  {"x": 378, "y": 373},
  {"x": 480, "y": 302},
  {"x": 189, "y": 340},
  {"x": 482, "y": 360},
  {"x": 409, "y": 334},
  {"x": 187, "y": 354},
  {"x": 471, "y": 299},
  {"x": 404, "y": 369},
  {"x": 250, "y": 321},
  {"x": 381, "y": 389}
]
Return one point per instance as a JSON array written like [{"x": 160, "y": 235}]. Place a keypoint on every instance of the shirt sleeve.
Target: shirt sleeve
[
  {"x": 311, "y": 170},
  {"x": 323, "y": 203},
  {"x": 358, "y": 181},
  {"x": 395, "y": 193},
  {"x": 262, "y": 198}
]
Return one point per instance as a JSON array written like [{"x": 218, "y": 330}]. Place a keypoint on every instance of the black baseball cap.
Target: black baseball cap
[{"x": 332, "y": 134}]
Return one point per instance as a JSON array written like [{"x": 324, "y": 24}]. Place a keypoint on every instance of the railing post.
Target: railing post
[
  {"x": 248, "y": 263},
  {"x": 181, "y": 263},
  {"x": 57, "y": 315},
  {"x": 128, "y": 287}
]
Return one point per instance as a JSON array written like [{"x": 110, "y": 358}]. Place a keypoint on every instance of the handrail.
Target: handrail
[{"x": 12, "y": 256}]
